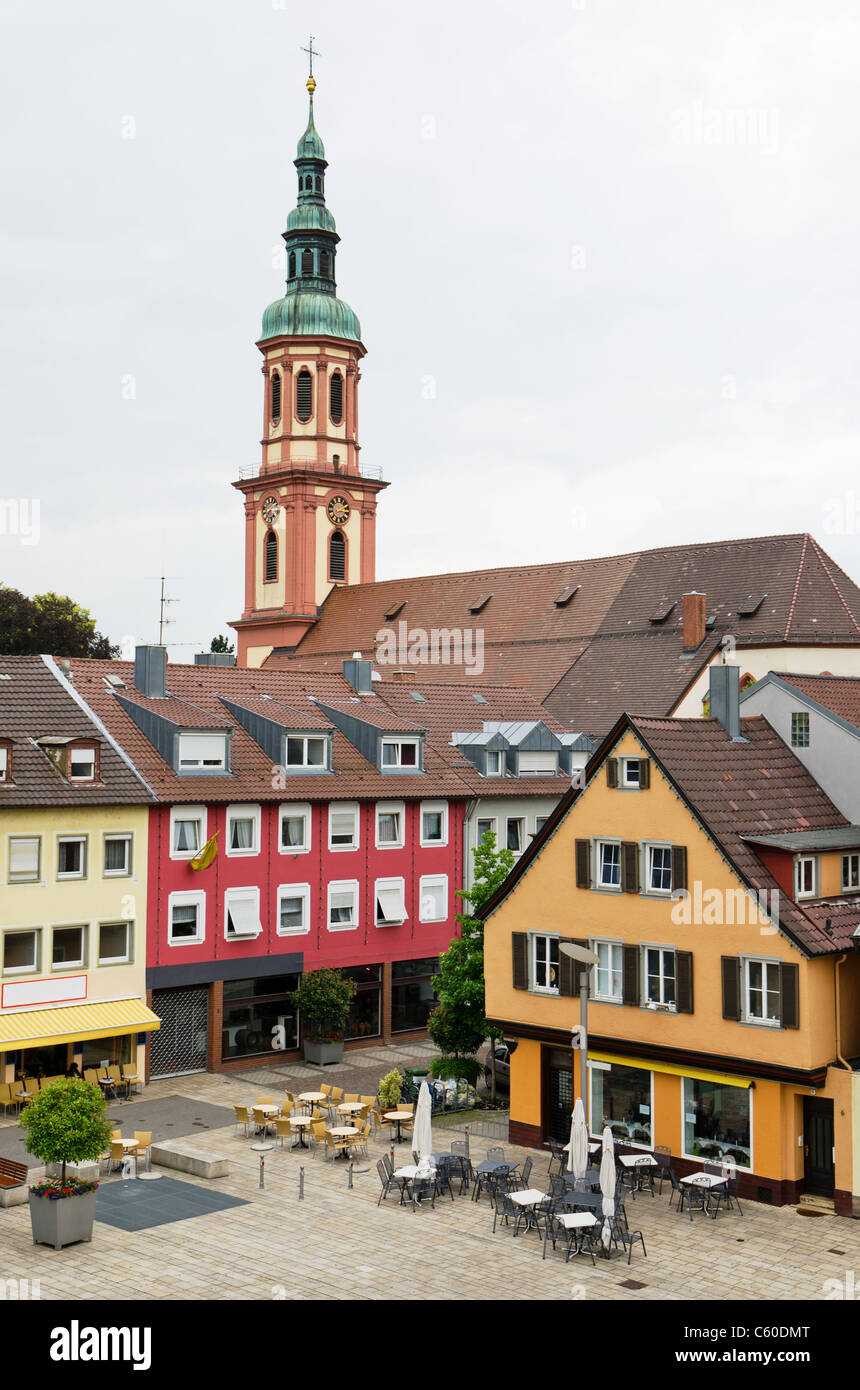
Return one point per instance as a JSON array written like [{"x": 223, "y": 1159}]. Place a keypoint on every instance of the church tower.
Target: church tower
[{"x": 310, "y": 505}]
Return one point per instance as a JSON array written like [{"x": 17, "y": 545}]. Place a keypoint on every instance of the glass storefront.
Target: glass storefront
[
  {"x": 621, "y": 1099},
  {"x": 717, "y": 1122},
  {"x": 51, "y": 1060},
  {"x": 412, "y": 993},
  {"x": 257, "y": 1014},
  {"x": 365, "y": 1014}
]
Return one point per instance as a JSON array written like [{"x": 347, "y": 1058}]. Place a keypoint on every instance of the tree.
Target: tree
[
  {"x": 67, "y": 1122},
  {"x": 221, "y": 644},
  {"x": 16, "y": 622},
  {"x": 51, "y": 623},
  {"x": 458, "y": 1025}
]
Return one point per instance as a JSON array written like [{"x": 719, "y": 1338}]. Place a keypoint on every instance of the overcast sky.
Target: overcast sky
[{"x": 604, "y": 254}]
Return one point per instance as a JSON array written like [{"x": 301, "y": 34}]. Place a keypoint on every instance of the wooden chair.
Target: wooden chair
[
  {"x": 261, "y": 1120},
  {"x": 360, "y": 1141},
  {"x": 326, "y": 1089},
  {"x": 316, "y": 1136},
  {"x": 350, "y": 1098},
  {"x": 117, "y": 1153},
  {"x": 384, "y": 1128},
  {"x": 91, "y": 1075},
  {"x": 335, "y": 1095},
  {"x": 7, "y": 1096}
]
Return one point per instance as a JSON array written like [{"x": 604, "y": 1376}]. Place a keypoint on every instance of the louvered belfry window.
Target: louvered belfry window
[
  {"x": 324, "y": 263},
  {"x": 304, "y": 395},
  {"x": 336, "y": 402},
  {"x": 337, "y": 556},
  {"x": 271, "y": 556},
  {"x": 292, "y": 265},
  {"x": 307, "y": 263},
  {"x": 276, "y": 396}
]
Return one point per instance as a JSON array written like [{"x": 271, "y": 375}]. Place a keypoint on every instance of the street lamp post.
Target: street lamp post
[{"x": 586, "y": 957}]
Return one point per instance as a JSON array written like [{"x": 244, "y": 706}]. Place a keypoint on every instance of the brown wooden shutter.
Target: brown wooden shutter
[
  {"x": 612, "y": 772},
  {"x": 644, "y": 772},
  {"x": 731, "y": 987},
  {"x": 629, "y": 866},
  {"x": 684, "y": 981},
  {"x": 788, "y": 1001},
  {"x": 569, "y": 970},
  {"x": 679, "y": 867},
  {"x": 630, "y": 975},
  {"x": 583, "y": 863},
  {"x": 519, "y": 949}
]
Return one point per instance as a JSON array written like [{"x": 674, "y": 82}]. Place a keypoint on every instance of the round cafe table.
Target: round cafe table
[
  {"x": 267, "y": 1110},
  {"x": 342, "y": 1132},
  {"x": 350, "y": 1107},
  {"x": 312, "y": 1097},
  {"x": 299, "y": 1122},
  {"x": 398, "y": 1116}
]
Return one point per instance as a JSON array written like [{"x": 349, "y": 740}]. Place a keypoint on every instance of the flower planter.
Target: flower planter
[
  {"x": 323, "y": 1054},
  {"x": 62, "y": 1221}
]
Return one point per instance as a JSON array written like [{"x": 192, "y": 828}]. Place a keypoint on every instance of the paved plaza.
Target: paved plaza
[{"x": 337, "y": 1244}]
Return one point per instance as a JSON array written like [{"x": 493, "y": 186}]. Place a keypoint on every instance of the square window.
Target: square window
[
  {"x": 72, "y": 856},
  {"x": 203, "y": 752},
  {"x": 433, "y": 898},
  {"x": 389, "y": 826},
  {"x": 390, "y": 902},
  {"x": 800, "y": 729},
  {"x": 342, "y": 906},
  {"x": 294, "y": 909},
  {"x": 82, "y": 764},
  {"x": 187, "y": 918},
  {"x": 25, "y": 854},
  {"x": 608, "y": 864},
  {"x": 68, "y": 948},
  {"x": 115, "y": 940},
  {"x": 343, "y": 826},
  {"x": 295, "y": 829},
  {"x": 242, "y": 913},
  {"x": 22, "y": 952},
  {"x": 434, "y": 823},
  {"x": 303, "y": 751},
  {"x": 399, "y": 753},
  {"x": 117, "y": 856}
]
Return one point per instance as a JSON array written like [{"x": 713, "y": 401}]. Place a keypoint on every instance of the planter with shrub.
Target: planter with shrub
[
  {"x": 390, "y": 1090},
  {"x": 324, "y": 999},
  {"x": 67, "y": 1122}
]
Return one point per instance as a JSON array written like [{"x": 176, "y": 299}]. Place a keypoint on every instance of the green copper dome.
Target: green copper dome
[
  {"x": 310, "y": 217},
  {"x": 310, "y": 312}
]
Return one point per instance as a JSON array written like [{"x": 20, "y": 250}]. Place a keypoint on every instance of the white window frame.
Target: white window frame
[
  {"x": 178, "y": 813},
  {"x": 128, "y": 837},
  {"x": 623, "y": 781},
  {"x": 398, "y": 765},
  {"x": 293, "y": 890},
  {"x": 537, "y": 771},
  {"x": 597, "y": 881},
  {"x": 83, "y": 963},
  {"x": 499, "y": 755},
  {"x": 356, "y": 810},
  {"x": 425, "y": 883},
  {"x": 381, "y": 884},
  {"x": 4, "y": 762},
  {"x": 671, "y": 1005},
  {"x": 746, "y": 1015},
  {"x": 84, "y": 841},
  {"x": 246, "y": 891},
  {"x": 391, "y": 808},
  {"x": 614, "y": 946},
  {"x": 534, "y": 938},
  {"x": 342, "y": 886},
  {"x": 293, "y": 810},
  {"x": 522, "y": 821},
  {"x": 29, "y": 878},
  {"x": 190, "y": 899},
  {"x": 850, "y": 886},
  {"x": 128, "y": 958},
  {"x": 433, "y": 808},
  {"x": 647, "y": 889},
  {"x": 540, "y": 822},
  {"x": 305, "y": 738},
  {"x": 243, "y": 812},
  {"x": 15, "y": 971},
  {"x": 493, "y": 822},
  {"x": 76, "y": 754},
  {"x": 800, "y": 859},
  {"x": 199, "y": 765}
]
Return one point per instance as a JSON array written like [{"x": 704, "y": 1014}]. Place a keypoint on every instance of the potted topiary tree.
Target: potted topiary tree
[
  {"x": 323, "y": 999},
  {"x": 390, "y": 1090},
  {"x": 67, "y": 1122}
]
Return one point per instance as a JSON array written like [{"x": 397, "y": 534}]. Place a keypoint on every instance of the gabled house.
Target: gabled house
[{"x": 722, "y": 1020}]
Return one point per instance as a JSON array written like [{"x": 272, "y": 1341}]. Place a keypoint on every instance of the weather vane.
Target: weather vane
[{"x": 312, "y": 53}]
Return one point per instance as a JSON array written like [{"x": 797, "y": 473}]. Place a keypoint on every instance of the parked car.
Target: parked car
[{"x": 503, "y": 1067}]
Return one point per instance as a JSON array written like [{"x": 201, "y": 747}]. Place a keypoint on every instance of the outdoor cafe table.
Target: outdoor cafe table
[
  {"x": 342, "y": 1132},
  {"x": 350, "y": 1107},
  {"x": 639, "y": 1161},
  {"x": 398, "y": 1116},
  {"x": 592, "y": 1148},
  {"x": 706, "y": 1180},
  {"x": 591, "y": 1175},
  {"x": 578, "y": 1221},
  {"x": 312, "y": 1097},
  {"x": 494, "y": 1168},
  {"x": 527, "y": 1201},
  {"x": 298, "y": 1122}
]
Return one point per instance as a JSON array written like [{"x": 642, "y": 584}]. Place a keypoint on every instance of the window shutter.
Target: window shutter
[
  {"x": 629, "y": 866},
  {"x": 519, "y": 949},
  {"x": 644, "y": 772},
  {"x": 271, "y": 557},
  {"x": 337, "y": 556},
  {"x": 679, "y": 867},
  {"x": 276, "y": 396},
  {"x": 684, "y": 978},
  {"x": 630, "y": 975},
  {"x": 731, "y": 987},
  {"x": 788, "y": 1003},
  {"x": 612, "y": 772},
  {"x": 583, "y": 863},
  {"x": 304, "y": 395},
  {"x": 570, "y": 970},
  {"x": 336, "y": 398}
]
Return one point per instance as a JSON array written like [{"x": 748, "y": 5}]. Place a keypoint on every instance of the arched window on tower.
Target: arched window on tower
[
  {"x": 271, "y": 558},
  {"x": 307, "y": 263},
  {"x": 336, "y": 398},
  {"x": 319, "y": 184},
  {"x": 309, "y": 183},
  {"x": 337, "y": 556},
  {"x": 276, "y": 396},
  {"x": 324, "y": 263},
  {"x": 292, "y": 265},
  {"x": 304, "y": 395}
]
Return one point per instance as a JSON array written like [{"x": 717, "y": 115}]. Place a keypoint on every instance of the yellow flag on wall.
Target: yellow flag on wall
[{"x": 207, "y": 853}]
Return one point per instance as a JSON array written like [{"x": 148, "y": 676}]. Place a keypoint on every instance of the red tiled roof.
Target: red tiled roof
[
  {"x": 288, "y": 716},
  {"x": 844, "y": 918},
  {"x": 374, "y": 712},
  {"x": 840, "y": 694}
]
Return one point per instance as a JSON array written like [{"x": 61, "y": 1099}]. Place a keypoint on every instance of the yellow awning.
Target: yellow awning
[
  {"x": 719, "y": 1077},
  {"x": 75, "y": 1023}
]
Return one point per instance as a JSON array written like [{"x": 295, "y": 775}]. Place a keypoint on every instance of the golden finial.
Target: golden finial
[{"x": 311, "y": 85}]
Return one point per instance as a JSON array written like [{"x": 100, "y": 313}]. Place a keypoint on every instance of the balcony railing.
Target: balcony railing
[{"x": 255, "y": 470}]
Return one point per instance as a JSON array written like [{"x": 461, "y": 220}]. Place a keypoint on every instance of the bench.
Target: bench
[
  {"x": 14, "y": 1190},
  {"x": 187, "y": 1159}
]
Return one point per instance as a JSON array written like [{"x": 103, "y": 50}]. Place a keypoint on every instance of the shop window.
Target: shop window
[
  {"x": 621, "y": 1098},
  {"x": 717, "y": 1122},
  {"x": 413, "y": 994},
  {"x": 258, "y": 1014}
]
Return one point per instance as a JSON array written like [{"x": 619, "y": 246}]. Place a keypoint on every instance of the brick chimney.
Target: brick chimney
[{"x": 693, "y": 613}]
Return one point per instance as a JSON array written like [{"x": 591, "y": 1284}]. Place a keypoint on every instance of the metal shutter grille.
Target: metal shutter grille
[
  {"x": 178, "y": 1048},
  {"x": 271, "y": 556},
  {"x": 336, "y": 398},
  {"x": 337, "y": 557},
  {"x": 276, "y": 396},
  {"x": 304, "y": 395}
]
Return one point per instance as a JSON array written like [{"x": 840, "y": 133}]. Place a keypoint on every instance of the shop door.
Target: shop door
[
  {"x": 178, "y": 1047},
  {"x": 560, "y": 1095},
  {"x": 818, "y": 1165}
]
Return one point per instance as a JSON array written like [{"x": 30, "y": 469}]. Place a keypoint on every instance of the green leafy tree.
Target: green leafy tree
[
  {"x": 324, "y": 999},
  {"x": 458, "y": 1025},
  {"x": 51, "y": 623},
  {"x": 16, "y": 622},
  {"x": 221, "y": 644},
  {"x": 67, "y": 1122}
]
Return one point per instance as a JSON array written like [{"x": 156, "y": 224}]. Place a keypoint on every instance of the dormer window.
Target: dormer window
[
  {"x": 538, "y": 764},
  {"x": 401, "y": 753},
  {"x": 306, "y": 753},
  {"x": 806, "y": 876},
  {"x": 82, "y": 764},
  {"x": 496, "y": 764},
  {"x": 203, "y": 752}
]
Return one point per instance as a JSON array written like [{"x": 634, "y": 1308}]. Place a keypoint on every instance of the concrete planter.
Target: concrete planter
[
  {"x": 323, "y": 1054},
  {"x": 64, "y": 1221}
]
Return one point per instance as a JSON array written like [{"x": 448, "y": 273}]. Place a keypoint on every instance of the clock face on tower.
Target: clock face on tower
[
  {"x": 338, "y": 511},
  {"x": 270, "y": 510}
]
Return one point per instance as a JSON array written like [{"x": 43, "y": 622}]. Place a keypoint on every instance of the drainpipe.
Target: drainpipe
[
  {"x": 838, "y": 1015},
  {"x": 471, "y": 808}
]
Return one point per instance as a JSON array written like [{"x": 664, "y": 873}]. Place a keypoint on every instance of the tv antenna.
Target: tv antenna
[{"x": 163, "y": 621}]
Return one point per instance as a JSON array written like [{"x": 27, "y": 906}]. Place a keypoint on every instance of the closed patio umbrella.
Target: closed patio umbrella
[
  {"x": 607, "y": 1183},
  {"x": 577, "y": 1160},
  {"x": 422, "y": 1128}
]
